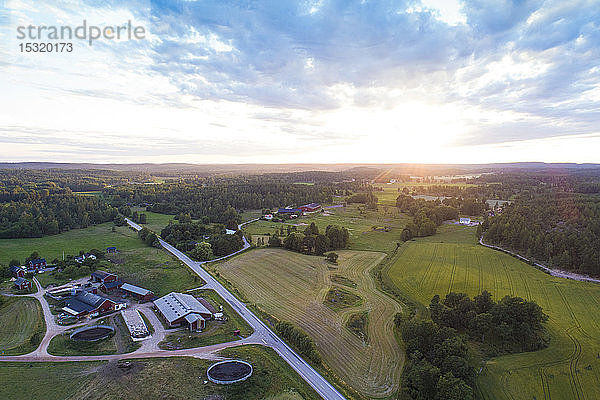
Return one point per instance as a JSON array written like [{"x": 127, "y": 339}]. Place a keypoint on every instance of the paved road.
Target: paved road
[
  {"x": 262, "y": 332},
  {"x": 554, "y": 272}
]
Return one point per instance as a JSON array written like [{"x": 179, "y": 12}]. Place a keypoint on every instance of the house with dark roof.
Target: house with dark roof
[
  {"x": 139, "y": 293},
  {"x": 38, "y": 263},
  {"x": 17, "y": 272},
  {"x": 85, "y": 303},
  {"x": 179, "y": 309},
  {"x": 22, "y": 283},
  {"x": 109, "y": 286},
  {"x": 103, "y": 277}
]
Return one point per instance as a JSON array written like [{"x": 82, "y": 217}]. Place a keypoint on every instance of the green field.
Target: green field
[
  {"x": 360, "y": 226},
  {"x": 164, "y": 378},
  {"x": 391, "y": 191},
  {"x": 94, "y": 237},
  {"x": 22, "y": 325},
  {"x": 292, "y": 287},
  {"x": 215, "y": 331},
  {"x": 155, "y": 221},
  {"x": 568, "y": 369},
  {"x": 153, "y": 269}
]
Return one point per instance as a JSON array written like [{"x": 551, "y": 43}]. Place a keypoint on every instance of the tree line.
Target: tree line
[
  {"x": 310, "y": 241},
  {"x": 560, "y": 230}
]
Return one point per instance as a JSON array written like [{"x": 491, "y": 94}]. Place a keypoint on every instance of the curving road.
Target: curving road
[{"x": 262, "y": 332}]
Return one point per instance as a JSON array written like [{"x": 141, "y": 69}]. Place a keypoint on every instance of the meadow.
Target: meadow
[
  {"x": 173, "y": 378},
  {"x": 390, "y": 191},
  {"x": 52, "y": 247},
  {"x": 22, "y": 325},
  {"x": 359, "y": 224},
  {"x": 292, "y": 287},
  {"x": 453, "y": 261}
]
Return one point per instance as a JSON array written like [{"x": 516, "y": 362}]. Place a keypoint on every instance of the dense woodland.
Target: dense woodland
[
  {"x": 437, "y": 350},
  {"x": 220, "y": 201},
  {"x": 193, "y": 237},
  {"x": 35, "y": 211},
  {"x": 560, "y": 230}
]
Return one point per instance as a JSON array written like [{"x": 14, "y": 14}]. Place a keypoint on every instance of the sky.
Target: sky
[{"x": 313, "y": 81}]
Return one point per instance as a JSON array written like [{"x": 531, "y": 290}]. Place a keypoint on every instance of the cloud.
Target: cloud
[{"x": 272, "y": 75}]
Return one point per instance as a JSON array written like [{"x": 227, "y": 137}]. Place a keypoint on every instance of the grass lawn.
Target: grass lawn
[
  {"x": 292, "y": 286},
  {"x": 50, "y": 247},
  {"x": 22, "y": 325},
  {"x": 117, "y": 343},
  {"x": 360, "y": 226},
  {"x": 165, "y": 378},
  {"x": 215, "y": 331},
  {"x": 568, "y": 369},
  {"x": 153, "y": 269}
]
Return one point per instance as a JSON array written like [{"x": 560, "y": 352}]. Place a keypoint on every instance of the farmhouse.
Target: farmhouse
[
  {"x": 36, "y": 264},
  {"x": 103, "y": 277},
  {"x": 111, "y": 250},
  {"x": 180, "y": 309},
  {"x": 465, "y": 221},
  {"x": 84, "y": 303},
  {"x": 230, "y": 231},
  {"x": 312, "y": 207},
  {"x": 17, "y": 272},
  {"x": 137, "y": 292},
  {"x": 22, "y": 283}
]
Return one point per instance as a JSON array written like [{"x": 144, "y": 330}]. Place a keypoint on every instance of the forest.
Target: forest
[
  {"x": 220, "y": 201},
  {"x": 438, "y": 350},
  {"x": 558, "y": 229}
]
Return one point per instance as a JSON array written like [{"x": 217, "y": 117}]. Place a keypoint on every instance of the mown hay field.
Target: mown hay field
[
  {"x": 22, "y": 325},
  {"x": 568, "y": 369},
  {"x": 292, "y": 287}
]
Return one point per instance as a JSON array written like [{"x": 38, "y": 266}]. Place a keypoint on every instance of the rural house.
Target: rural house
[
  {"x": 17, "y": 271},
  {"x": 38, "y": 263},
  {"x": 22, "y": 283}
]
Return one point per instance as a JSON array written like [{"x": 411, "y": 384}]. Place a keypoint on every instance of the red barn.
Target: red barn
[
  {"x": 139, "y": 293},
  {"x": 104, "y": 277},
  {"x": 312, "y": 207},
  {"x": 84, "y": 303}
]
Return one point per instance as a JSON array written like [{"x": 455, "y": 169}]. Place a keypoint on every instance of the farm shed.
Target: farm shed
[
  {"x": 137, "y": 292},
  {"x": 180, "y": 309}
]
